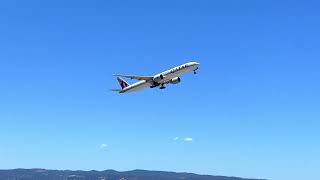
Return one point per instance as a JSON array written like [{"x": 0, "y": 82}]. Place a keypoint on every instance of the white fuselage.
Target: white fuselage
[{"x": 162, "y": 78}]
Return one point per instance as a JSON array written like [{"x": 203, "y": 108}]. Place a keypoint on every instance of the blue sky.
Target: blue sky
[{"x": 251, "y": 111}]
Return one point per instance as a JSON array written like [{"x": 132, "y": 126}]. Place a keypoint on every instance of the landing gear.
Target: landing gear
[
  {"x": 154, "y": 84},
  {"x": 195, "y": 71},
  {"x": 162, "y": 86}
]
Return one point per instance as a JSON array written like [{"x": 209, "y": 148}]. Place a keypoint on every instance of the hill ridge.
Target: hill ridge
[{"x": 109, "y": 174}]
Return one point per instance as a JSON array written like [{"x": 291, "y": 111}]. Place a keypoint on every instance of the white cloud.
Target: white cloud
[
  {"x": 188, "y": 139},
  {"x": 176, "y": 138},
  {"x": 103, "y": 146}
]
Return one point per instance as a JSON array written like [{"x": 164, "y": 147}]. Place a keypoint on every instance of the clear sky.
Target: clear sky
[{"x": 252, "y": 110}]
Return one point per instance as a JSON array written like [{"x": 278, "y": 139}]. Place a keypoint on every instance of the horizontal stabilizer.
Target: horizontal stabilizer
[{"x": 116, "y": 90}]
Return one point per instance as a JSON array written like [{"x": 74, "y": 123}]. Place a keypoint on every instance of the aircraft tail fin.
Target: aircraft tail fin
[{"x": 122, "y": 82}]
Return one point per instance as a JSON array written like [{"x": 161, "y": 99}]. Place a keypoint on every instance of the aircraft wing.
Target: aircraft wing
[{"x": 135, "y": 77}]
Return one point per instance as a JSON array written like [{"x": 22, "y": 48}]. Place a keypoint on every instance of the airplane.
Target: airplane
[{"x": 171, "y": 76}]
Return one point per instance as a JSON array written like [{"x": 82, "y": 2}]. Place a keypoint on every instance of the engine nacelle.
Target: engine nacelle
[
  {"x": 175, "y": 80},
  {"x": 158, "y": 78}
]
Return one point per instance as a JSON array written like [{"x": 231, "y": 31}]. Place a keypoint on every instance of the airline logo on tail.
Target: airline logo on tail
[{"x": 122, "y": 83}]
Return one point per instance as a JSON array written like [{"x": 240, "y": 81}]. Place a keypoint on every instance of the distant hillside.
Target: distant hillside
[{"x": 43, "y": 174}]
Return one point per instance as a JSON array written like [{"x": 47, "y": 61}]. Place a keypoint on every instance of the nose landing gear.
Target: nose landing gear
[{"x": 195, "y": 71}]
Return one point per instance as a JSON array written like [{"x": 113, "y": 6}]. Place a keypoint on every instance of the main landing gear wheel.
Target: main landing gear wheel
[{"x": 162, "y": 86}]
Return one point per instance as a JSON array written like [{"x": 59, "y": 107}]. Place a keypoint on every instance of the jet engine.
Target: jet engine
[
  {"x": 175, "y": 80},
  {"x": 158, "y": 78}
]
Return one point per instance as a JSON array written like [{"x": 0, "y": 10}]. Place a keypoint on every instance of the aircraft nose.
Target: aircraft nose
[{"x": 197, "y": 64}]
